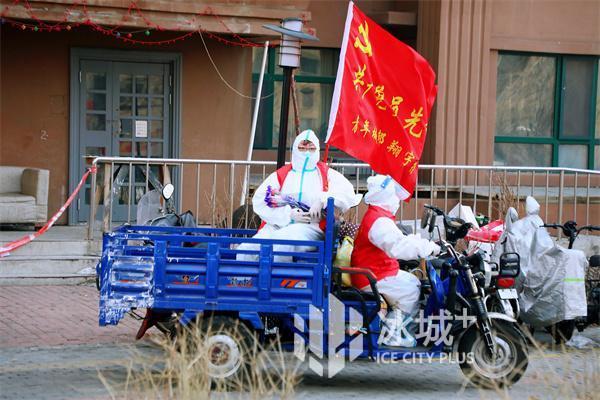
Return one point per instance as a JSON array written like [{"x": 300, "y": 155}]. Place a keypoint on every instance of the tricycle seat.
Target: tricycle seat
[{"x": 351, "y": 293}]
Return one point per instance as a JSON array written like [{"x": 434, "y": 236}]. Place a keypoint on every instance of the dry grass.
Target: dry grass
[
  {"x": 570, "y": 378},
  {"x": 180, "y": 369},
  {"x": 506, "y": 197},
  {"x": 562, "y": 373}
]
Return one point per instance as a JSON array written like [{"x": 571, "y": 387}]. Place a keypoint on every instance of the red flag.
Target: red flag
[{"x": 382, "y": 100}]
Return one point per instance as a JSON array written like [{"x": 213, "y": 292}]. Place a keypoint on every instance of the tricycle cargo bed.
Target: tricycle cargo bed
[{"x": 195, "y": 269}]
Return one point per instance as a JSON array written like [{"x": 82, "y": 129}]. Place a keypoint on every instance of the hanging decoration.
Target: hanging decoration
[{"x": 119, "y": 32}]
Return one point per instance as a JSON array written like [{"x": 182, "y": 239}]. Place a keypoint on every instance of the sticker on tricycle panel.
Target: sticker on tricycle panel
[
  {"x": 240, "y": 281},
  {"x": 293, "y": 284},
  {"x": 186, "y": 280},
  {"x": 140, "y": 278},
  {"x": 508, "y": 294}
]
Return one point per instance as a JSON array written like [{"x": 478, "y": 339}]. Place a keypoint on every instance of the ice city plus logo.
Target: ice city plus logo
[{"x": 329, "y": 342}]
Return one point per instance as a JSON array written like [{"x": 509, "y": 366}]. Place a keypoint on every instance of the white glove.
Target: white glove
[
  {"x": 315, "y": 210},
  {"x": 435, "y": 249},
  {"x": 300, "y": 216},
  {"x": 429, "y": 249}
]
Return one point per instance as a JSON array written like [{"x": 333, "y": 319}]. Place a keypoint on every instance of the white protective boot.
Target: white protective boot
[{"x": 395, "y": 331}]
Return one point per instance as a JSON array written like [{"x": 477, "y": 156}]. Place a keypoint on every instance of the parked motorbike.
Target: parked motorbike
[
  {"x": 563, "y": 330},
  {"x": 501, "y": 294},
  {"x": 502, "y": 345},
  {"x": 452, "y": 284},
  {"x": 551, "y": 291}
]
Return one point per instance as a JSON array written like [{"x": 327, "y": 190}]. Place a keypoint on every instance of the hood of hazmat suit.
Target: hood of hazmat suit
[
  {"x": 382, "y": 192},
  {"x": 304, "y": 183},
  {"x": 305, "y": 160},
  {"x": 384, "y": 233}
]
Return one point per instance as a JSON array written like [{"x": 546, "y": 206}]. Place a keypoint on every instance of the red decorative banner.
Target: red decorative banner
[
  {"x": 382, "y": 100},
  {"x": 5, "y": 251},
  {"x": 77, "y": 11}
]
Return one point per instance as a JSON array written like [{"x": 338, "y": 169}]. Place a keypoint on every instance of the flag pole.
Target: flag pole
[
  {"x": 254, "y": 121},
  {"x": 283, "y": 118}
]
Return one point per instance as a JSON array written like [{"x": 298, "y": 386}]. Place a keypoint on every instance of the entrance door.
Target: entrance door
[{"x": 124, "y": 109}]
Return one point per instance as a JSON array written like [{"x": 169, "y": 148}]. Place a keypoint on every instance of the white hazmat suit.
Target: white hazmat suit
[
  {"x": 400, "y": 288},
  {"x": 304, "y": 184}
]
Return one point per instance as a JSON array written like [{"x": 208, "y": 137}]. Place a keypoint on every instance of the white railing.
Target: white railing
[{"x": 214, "y": 189}]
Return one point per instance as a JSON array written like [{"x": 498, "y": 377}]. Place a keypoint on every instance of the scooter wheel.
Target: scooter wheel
[
  {"x": 562, "y": 331},
  {"x": 506, "y": 368}
]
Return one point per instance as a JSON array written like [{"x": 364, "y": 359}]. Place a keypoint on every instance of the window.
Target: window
[
  {"x": 314, "y": 88},
  {"x": 547, "y": 111}
]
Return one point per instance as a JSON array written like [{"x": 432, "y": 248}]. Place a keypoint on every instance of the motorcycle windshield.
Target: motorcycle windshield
[{"x": 149, "y": 207}]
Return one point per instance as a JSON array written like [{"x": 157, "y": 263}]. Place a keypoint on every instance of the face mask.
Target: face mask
[{"x": 305, "y": 160}]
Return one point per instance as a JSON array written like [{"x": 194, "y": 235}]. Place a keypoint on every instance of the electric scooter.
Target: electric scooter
[{"x": 563, "y": 330}]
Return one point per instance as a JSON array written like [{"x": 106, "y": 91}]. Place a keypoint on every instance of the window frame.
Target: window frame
[
  {"x": 269, "y": 80},
  {"x": 555, "y": 139}
]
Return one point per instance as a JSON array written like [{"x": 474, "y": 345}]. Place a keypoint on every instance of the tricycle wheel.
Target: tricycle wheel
[
  {"x": 509, "y": 363},
  {"x": 227, "y": 346}
]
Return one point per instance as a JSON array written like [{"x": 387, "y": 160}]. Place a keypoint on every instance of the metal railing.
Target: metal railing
[{"x": 561, "y": 192}]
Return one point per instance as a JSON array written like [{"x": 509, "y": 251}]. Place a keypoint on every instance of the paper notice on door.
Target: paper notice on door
[{"x": 141, "y": 128}]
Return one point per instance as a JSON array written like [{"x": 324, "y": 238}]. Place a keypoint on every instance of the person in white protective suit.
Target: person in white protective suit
[
  {"x": 309, "y": 181},
  {"x": 378, "y": 246}
]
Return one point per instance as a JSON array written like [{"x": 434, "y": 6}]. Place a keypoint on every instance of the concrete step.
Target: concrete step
[
  {"x": 39, "y": 270},
  {"x": 41, "y": 247},
  {"x": 58, "y": 241}
]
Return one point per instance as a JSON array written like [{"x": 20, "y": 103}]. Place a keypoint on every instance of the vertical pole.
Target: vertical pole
[
  {"x": 491, "y": 174},
  {"x": 107, "y": 196},
  {"x": 231, "y": 193},
  {"x": 110, "y": 202},
  {"x": 197, "y": 194},
  {"x": 560, "y": 200},
  {"x": 130, "y": 192},
  {"x": 587, "y": 201},
  {"x": 254, "y": 121},
  {"x": 546, "y": 196},
  {"x": 475, "y": 187},
  {"x": 416, "y": 203},
  {"x": 575, "y": 198},
  {"x": 283, "y": 118},
  {"x": 213, "y": 196},
  {"x": 92, "y": 217}
]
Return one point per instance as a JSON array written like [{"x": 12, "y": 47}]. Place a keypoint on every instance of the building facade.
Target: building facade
[{"x": 518, "y": 81}]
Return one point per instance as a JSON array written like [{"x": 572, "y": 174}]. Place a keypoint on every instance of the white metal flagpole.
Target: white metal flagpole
[
  {"x": 337, "y": 89},
  {"x": 254, "y": 121}
]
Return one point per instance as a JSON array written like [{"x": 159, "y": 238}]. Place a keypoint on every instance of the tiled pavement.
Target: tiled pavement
[
  {"x": 43, "y": 316},
  {"x": 51, "y": 347}
]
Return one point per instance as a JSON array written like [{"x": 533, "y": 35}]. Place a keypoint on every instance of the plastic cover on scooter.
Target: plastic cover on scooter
[
  {"x": 149, "y": 207},
  {"x": 149, "y": 212},
  {"x": 551, "y": 285}
]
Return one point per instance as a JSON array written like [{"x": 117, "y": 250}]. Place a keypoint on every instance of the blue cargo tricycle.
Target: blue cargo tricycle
[{"x": 184, "y": 276}]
